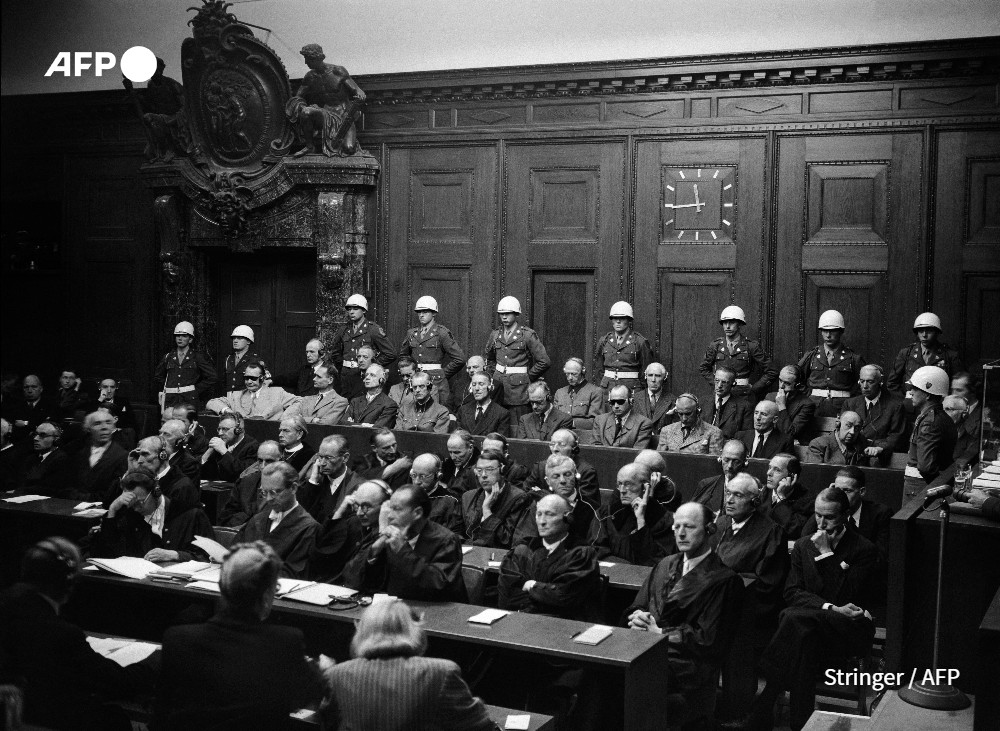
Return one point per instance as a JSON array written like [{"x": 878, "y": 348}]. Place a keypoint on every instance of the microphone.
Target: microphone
[{"x": 937, "y": 492}]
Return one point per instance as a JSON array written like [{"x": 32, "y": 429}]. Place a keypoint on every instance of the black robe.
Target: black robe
[
  {"x": 568, "y": 579},
  {"x": 758, "y": 551},
  {"x": 616, "y": 534},
  {"x": 291, "y": 540},
  {"x": 128, "y": 533}
]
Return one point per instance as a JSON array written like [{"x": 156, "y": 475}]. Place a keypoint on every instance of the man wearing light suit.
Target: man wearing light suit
[
  {"x": 256, "y": 401},
  {"x": 327, "y": 406},
  {"x": 373, "y": 407},
  {"x": 622, "y": 427},
  {"x": 654, "y": 402},
  {"x": 581, "y": 400},
  {"x": 544, "y": 418},
  {"x": 691, "y": 434}
]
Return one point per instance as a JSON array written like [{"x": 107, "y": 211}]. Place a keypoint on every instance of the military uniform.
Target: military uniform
[
  {"x": 514, "y": 361},
  {"x": 622, "y": 361},
  {"x": 932, "y": 446},
  {"x": 190, "y": 379},
  {"x": 234, "y": 369},
  {"x": 745, "y": 359},
  {"x": 831, "y": 382},
  {"x": 910, "y": 358},
  {"x": 437, "y": 354},
  {"x": 344, "y": 353}
]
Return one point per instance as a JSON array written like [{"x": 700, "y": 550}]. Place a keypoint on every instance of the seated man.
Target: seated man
[
  {"x": 118, "y": 405},
  {"x": 151, "y": 454},
  {"x": 281, "y": 522},
  {"x": 402, "y": 391},
  {"x": 653, "y": 401},
  {"x": 354, "y": 524},
  {"x": 143, "y": 522},
  {"x": 196, "y": 440},
  {"x": 795, "y": 408},
  {"x": 324, "y": 405},
  {"x": 230, "y": 452},
  {"x": 258, "y": 671},
  {"x": 244, "y": 499},
  {"x": 446, "y": 509},
  {"x": 493, "y": 510},
  {"x": 564, "y": 442},
  {"x": 482, "y": 414},
  {"x": 828, "y": 588},
  {"x": 422, "y": 413},
  {"x": 474, "y": 366},
  {"x": 867, "y": 517},
  {"x": 173, "y": 435},
  {"x": 664, "y": 489},
  {"x": 385, "y": 462},
  {"x": 967, "y": 446},
  {"x": 554, "y": 573},
  {"x": 730, "y": 413},
  {"x": 694, "y": 599},
  {"x": 47, "y": 469},
  {"x": 96, "y": 467},
  {"x": 622, "y": 427},
  {"x": 544, "y": 419},
  {"x": 291, "y": 431},
  {"x": 711, "y": 491},
  {"x": 786, "y": 501},
  {"x": 413, "y": 557},
  {"x": 329, "y": 480},
  {"x": 582, "y": 400},
  {"x": 256, "y": 401},
  {"x": 765, "y": 440},
  {"x": 966, "y": 386},
  {"x": 690, "y": 433},
  {"x": 301, "y": 381},
  {"x": 67, "y": 684},
  {"x": 27, "y": 413},
  {"x": 373, "y": 407},
  {"x": 514, "y": 472},
  {"x": 638, "y": 530},
  {"x": 456, "y": 470},
  {"x": 560, "y": 478},
  {"x": 844, "y": 445},
  {"x": 71, "y": 401},
  {"x": 883, "y": 415},
  {"x": 10, "y": 458}
]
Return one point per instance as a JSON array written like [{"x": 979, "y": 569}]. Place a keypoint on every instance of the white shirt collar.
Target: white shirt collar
[
  {"x": 857, "y": 515},
  {"x": 550, "y": 547},
  {"x": 335, "y": 482},
  {"x": 161, "y": 473},
  {"x": 692, "y": 563},
  {"x": 294, "y": 449},
  {"x": 736, "y": 526}
]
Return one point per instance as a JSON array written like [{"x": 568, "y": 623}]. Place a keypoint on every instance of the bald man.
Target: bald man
[
  {"x": 230, "y": 452},
  {"x": 883, "y": 415},
  {"x": 664, "y": 488},
  {"x": 373, "y": 407},
  {"x": 446, "y": 508},
  {"x": 352, "y": 525},
  {"x": 638, "y": 530},
  {"x": 845, "y": 445},
  {"x": 795, "y": 409},
  {"x": 561, "y": 479},
  {"x": 765, "y": 440},
  {"x": 473, "y": 366},
  {"x": 690, "y": 433}
]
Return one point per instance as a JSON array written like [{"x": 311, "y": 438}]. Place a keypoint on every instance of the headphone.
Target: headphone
[
  {"x": 711, "y": 528},
  {"x": 691, "y": 396},
  {"x": 162, "y": 454},
  {"x": 568, "y": 518},
  {"x": 131, "y": 477},
  {"x": 579, "y": 362},
  {"x": 237, "y": 418}
]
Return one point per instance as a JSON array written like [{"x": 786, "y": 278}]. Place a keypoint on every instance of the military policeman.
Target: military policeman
[
  {"x": 243, "y": 355},
  {"x": 358, "y": 332},
  {"x": 184, "y": 374},
  {"x": 932, "y": 443},
  {"x": 514, "y": 357},
  {"x": 622, "y": 354},
  {"x": 831, "y": 369},
  {"x": 743, "y": 356},
  {"x": 433, "y": 349},
  {"x": 926, "y": 351}
]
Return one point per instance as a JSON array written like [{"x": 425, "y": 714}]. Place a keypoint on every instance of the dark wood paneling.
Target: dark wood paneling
[
  {"x": 982, "y": 303},
  {"x": 561, "y": 318},
  {"x": 450, "y": 287}
]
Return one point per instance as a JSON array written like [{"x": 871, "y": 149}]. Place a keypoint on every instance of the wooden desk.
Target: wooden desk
[
  {"x": 627, "y": 577},
  {"x": 987, "y": 698},
  {"x": 637, "y": 659}
]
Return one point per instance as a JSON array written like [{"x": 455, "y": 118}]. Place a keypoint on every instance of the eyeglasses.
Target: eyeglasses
[
  {"x": 327, "y": 457},
  {"x": 617, "y": 401},
  {"x": 253, "y": 378},
  {"x": 270, "y": 493},
  {"x": 486, "y": 470},
  {"x": 366, "y": 507}
]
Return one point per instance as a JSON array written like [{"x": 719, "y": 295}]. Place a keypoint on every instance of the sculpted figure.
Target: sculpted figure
[
  {"x": 160, "y": 106},
  {"x": 324, "y": 107}
]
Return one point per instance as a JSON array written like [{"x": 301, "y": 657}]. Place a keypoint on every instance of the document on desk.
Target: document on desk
[
  {"x": 318, "y": 594},
  {"x": 287, "y": 586},
  {"x": 517, "y": 722},
  {"x": 185, "y": 570},
  {"x": 212, "y": 586},
  {"x": 25, "y": 498},
  {"x": 124, "y": 652},
  {"x": 84, "y": 506},
  {"x": 488, "y": 616},
  {"x": 593, "y": 635},
  {"x": 466, "y": 549},
  {"x": 130, "y": 566},
  {"x": 90, "y": 513},
  {"x": 605, "y": 564},
  {"x": 216, "y": 551}
]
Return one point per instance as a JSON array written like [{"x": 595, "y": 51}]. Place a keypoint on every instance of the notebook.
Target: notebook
[
  {"x": 488, "y": 616},
  {"x": 130, "y": 566},
  {"x": 593, "y": 635}
]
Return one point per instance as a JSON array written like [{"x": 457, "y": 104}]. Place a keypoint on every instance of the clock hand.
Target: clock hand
[
  {"x": 686, "y": 205},
  {"x": 697, "y": 201}
]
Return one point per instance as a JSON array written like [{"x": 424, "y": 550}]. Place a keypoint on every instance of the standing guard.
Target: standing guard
[
  {"x": 360, "y": 331},
  {"x": 831, "y": 370},
  {"x": 927, "y": 351},
  {"x": 622, "y": 354},
  {"x": 743, "y": 356},
  {"x": 515, "y": 357},
  {"x": 433, "y": 349},
  {"x": 243, "y": 355},
  {"x": 184, "y": 374}
]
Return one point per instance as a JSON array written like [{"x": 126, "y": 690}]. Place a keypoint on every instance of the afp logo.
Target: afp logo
[{"x": 138, "y": 63}]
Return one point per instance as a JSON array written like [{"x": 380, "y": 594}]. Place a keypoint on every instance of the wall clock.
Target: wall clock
[{"x": 699, "y": 204}]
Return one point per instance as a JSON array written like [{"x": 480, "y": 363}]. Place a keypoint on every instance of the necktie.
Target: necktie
[
  {"x": 618, "y": 426},
  {"x": 318, "y": 402},
  {"x": 479, "y": 413},
  {"x": 718, "y": 408},
  {"x": 853, "y": 523},
  {"x": 541, "y": 422},
  {"x": 760, "y": 445}
]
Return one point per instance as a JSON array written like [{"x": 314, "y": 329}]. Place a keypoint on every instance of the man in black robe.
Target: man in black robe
[
  {"x": 244, "y": 499},
  {"x": 639, "y": 530},
  {"x": 786, "y": 501},
  {"x": 560, "y": 478},
  {"x": 353, "y": 526}
]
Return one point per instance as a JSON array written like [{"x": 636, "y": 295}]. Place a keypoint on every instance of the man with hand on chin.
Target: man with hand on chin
[
  {"x": 493, "y": 510},
  {"x": 637, "y": 530},
  {"x": 786, "y": 501}
]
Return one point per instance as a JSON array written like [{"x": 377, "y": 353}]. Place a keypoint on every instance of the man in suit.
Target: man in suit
[
  {"x": 560, "y": 479},
  {"x": 385, "y": 461},
  {"x": 422, "y": 412},
  {"x": 795, "y": 409},
  {"x": 258, "y": 673},
  {"x": 513, "y": 472},
  {"x": 483, "y": 415},
  {"x": 173, "y": 433},
  {"x": 729, "y": 413},
  {"x": 580, "y": 399},
  {"x": 869, "y": 518},
  {"x": 966, "y": 386},
  {"x": 764, "y": 440},
  {"x": 786, "y": 501},
  {"x": 711, "y": 491},
  {"x": 413, "y": 557},
  {"x": 282, "y": 523},
  {"x": 118, "y": 405},
  {"x": 844, "y": 445},
  {"x": 67, "y": 684},
  {"x": 653, "y": 401},
  {"x": 244, "y": 499},
  {"x": 446, "y": 509},
  {"x": 229, "y": 453},
  {"x": 151, "y": 454},
  {"x": 493, "y": 510},
  {"x": 257, "y": 401},
  {"x": 27, "y": 413},
  {"x": 401, "y": 391},
  {"x": 457, "y": 469},
  {"x": 690, "y": 433},
  {"x": 828, "y": 588},
  {"x": 325, "y": 405},
  {"x": 300, "y": 381},
  {"x": 474, "y": 365},
  {"x": 544, "y": 418},
  {"x": 10, "y": 458},
  {"x": 638, "y": 529},
  {"x": 47, "y": 469},
  {"x": 883, "y": 416},
  {"x": 71, "y": 402},
  {"x": 373, "y": 407},
  {"x": 553, "y": 573},
  {"x": 328, "y": 481},
  {"x": 564, "y": 442},
  {"x": 295, "y": 452},
  {"x": 101, "y": 462},
  {"x": 195, "y": 440},
  {"x": 622, "y": 427}
]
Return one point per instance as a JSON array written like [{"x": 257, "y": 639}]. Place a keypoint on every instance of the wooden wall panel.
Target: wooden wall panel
[
  {"x": 450, "y": 286},
  {"x": 563, "y": 325}
]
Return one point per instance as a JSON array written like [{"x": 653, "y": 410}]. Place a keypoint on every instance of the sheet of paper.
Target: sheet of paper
[
  {"x": 466, "y": 549},
  {"x": 211, "y": 574},
  {"x": 104, "y": 646},
  {"x": 25, "y": 498},
  {"x": 84, "y": 506},
  {"x": 493, "y": 564},
  {"x": 90, "y": 513},
  {"x": 384, "y": 598},
  {"x": 992, "y": 469},
  {"x": 133, "y": 652},
  {"x": 304, "y": 714},
  {"x": 130, "y": 566},
  {"x": 488, "y": 616},
  {"x": 593, "y": 635},
  {"x": 519, "y": 722},
  {"x": 606, "y": 564},
  {"x": 186, "y": 569},
  {"x": 215, "y": 550},
  {"x": 319, "y": 594},
  {"x": 286, "y": 586},
  {"x": 212, "y": 586}
]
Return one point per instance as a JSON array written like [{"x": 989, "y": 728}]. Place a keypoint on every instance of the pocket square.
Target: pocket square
[{"x": 844, "y": 565}]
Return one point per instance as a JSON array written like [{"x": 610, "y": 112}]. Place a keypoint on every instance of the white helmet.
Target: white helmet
[
  {"x": 242, "y": 331},
  {"x": 930, "y": 379},
  {"x": 426, "y": 303},
  {"x": 509, "y": 304},
  {"x": 357, "y": 300},
  {"x": 831, "y": 320},
  {"x": 184, "y": 328},
  {"x": 621, "y": 309},
  {"x": 927, "y": 319},
  {"x": 733, "y": 313}
]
